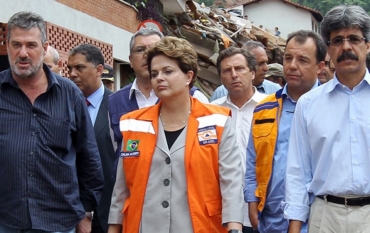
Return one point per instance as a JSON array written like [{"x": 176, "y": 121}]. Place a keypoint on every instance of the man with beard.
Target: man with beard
[
  {"x": 328, "y": 158},
  {"x": 51, "y": 176},
  {"x": 262, "y": 85},
  {"x": 328, "y": 72}
]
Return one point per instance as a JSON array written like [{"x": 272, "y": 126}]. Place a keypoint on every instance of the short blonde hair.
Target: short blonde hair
[{"x": 177, "y": 49}]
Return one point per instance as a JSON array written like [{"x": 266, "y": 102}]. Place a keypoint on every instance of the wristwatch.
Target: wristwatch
[
  {"x": 89, "y": 215},
  {"x": 234, "y": 231}
]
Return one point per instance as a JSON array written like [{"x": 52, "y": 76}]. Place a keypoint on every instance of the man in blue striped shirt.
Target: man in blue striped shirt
[{"x": 50, "y": 170}]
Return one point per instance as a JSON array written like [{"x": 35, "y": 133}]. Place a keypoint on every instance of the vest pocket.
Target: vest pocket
[
  {"x": 214, "y": 209},
  {"x": 263, "y": 129}
]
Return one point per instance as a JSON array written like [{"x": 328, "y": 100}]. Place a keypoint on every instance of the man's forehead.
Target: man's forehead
[
  {"x": 77, "y": 58},
  {"x": 146, "y": 40},
  {"x": 343, "y": 31},
  {"x": 30, "y": 35}
]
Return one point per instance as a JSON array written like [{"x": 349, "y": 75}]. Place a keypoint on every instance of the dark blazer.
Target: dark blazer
[{"x": 107, "y": 155}]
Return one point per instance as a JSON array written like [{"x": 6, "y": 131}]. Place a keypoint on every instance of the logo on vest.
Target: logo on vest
[
  {"x": 207, "y": 135},
  {"x": 131, "y": 149}
]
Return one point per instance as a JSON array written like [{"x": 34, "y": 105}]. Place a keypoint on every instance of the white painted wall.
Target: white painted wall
[
  {"x": 64, "y": 16},
  {"x": 273, "y": 13},
  {"x": 173, "y": 6}
]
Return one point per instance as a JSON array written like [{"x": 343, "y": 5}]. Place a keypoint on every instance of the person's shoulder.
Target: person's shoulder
[
  {"x": 65, "y": 83},
  {"x": 272, "y": 85},
  {"x": 214, "y": 109},
  {"x": 140, "y": 113},
  {"x": 121, "y": 92},
  {"x": 315, "y": 94},
  {"x": 219, "y": 101}
]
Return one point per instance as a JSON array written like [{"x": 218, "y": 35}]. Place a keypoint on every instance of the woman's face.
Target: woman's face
[{"x": 167, "y": 78}]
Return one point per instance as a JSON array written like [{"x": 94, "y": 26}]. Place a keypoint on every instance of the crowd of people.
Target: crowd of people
[{"x": 280, "y": 148}]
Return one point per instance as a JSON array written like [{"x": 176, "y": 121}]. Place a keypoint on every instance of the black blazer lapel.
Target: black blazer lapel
[{"x": 101, "y": 118}]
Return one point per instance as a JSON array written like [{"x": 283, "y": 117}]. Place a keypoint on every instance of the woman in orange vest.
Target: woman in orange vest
[{"x": 179, "y": 170}]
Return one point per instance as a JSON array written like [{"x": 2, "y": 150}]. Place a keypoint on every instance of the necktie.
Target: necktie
[{"x": 87, "y": 102}]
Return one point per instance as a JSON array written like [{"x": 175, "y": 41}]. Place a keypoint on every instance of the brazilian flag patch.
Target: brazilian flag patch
[{"x": 132, "y": 145}]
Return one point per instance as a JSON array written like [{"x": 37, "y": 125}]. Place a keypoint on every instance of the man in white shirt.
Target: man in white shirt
[{"x": 237, "y": 69}]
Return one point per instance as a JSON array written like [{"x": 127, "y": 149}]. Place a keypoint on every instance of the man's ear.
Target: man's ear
[
  {"x": 253, "y": 74},
  {"x": 45, "y": 46},
  {"x": 320, "y": 67},
  {"x": 60, "y": 65},
  {"x": 99, "y": 69}
]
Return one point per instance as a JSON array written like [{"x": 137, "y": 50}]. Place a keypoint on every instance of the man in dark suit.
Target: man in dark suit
[{"x": 85, "y": 67}]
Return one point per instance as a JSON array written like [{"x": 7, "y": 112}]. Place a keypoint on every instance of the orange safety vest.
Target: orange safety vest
[
  {"x": 201, "y": 164},
  {"x": 265, "y": 125}
]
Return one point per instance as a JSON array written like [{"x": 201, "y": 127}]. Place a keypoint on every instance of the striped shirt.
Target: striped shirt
[{"x": 50, "y": 169}]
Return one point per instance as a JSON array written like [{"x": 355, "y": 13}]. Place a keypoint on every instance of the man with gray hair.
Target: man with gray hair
[
  {"x": 51, "y": 176},
  {"x": 328, "y": 159},
  {"x": 52, "y": 60}
]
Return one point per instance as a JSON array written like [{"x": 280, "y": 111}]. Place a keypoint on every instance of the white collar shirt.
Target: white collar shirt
[{"x": 141, "y": 99}]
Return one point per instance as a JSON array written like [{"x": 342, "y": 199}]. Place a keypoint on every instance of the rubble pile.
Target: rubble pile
[{"x": 211, "y": 31}]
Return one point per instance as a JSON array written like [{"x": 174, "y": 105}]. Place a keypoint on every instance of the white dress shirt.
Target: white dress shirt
[{"x": 241, "y": 122}]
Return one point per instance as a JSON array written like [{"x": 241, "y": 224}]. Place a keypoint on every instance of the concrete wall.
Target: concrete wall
[
  {"x": 273, "y": 13},
  {"x": 83, "y": 23}
]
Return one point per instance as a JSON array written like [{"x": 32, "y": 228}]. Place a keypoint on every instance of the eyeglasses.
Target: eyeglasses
[
  {"x": 328, "y": 64},
  {"x": 140, "y": 50},
  {"x": 352, "y": 39}
]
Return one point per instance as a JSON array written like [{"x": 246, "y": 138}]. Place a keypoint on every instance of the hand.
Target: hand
[
  {"x": 84, "y": 226},
  {"x": 115, "y": 228},
  {"x": 253, "y": 214},
  {"x": 295, "y": 226}
]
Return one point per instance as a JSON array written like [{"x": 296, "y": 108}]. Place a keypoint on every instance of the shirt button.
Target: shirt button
[
  {"x": 34, "y": 114},
  {"x": 168, "y": 160},
  {"x": 33, "y": 133},
  {"x": 166, "y": 182},
  {"x": 165, "y": 204},
  {"x": 31, "y": 153}
]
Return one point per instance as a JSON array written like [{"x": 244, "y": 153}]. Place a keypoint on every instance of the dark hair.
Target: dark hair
[
  {"x": 144, "y": 32},
  {"x": 177, "y": 49},
  {"x": 249, "y": 57},
  {"x": 301, "y": 37},
  {"x": 27, "y": 20},
  {"x": 91, "y": 52},
  {"x": 343, "y": 16}
]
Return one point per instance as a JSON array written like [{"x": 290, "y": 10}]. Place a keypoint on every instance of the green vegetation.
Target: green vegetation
[
  {"x": 206, "y": 2},
  {"x": 325, "y": 5}
]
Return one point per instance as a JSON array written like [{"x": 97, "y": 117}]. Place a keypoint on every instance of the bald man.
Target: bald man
[{"x": 52, "y": 60}]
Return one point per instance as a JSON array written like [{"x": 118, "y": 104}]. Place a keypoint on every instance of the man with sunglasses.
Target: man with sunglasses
[{"x": 327, "y": 177}]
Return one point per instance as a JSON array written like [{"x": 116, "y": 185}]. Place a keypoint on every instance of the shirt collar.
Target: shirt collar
[
  {"x": 286, "y": 95},
  {"x": 256, "y": 97},
  {"x": 51, "y": 77},
  {"x": 335, "y": 82},
  {"x": 133, "y": 88},
  {"x": 95, "y": 97}
]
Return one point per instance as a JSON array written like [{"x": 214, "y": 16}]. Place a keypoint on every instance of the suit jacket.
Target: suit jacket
[{"x": 107, "y": 155}]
